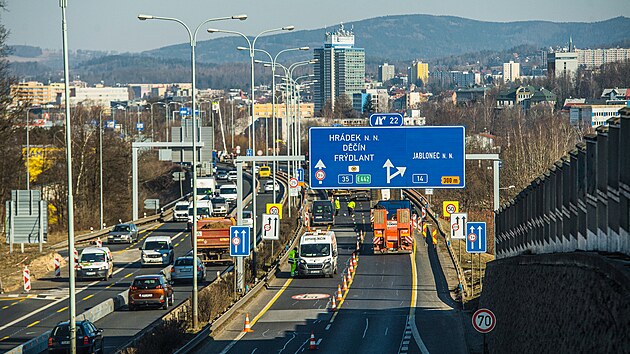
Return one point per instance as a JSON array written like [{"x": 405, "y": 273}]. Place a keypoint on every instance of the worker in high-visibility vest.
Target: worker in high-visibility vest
[
  {"x": 293, "y": 261},
  {"x": 337, "y": 206},
  {"x": 351, "y": 206}
]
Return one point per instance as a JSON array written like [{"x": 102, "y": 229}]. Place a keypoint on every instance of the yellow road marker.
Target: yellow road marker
[
  {"x": 87, "y": 297},
  {"x": 32, "y": 324},
  {"x": 128, "y": 275},
  {"x": 4, "y": 338},
  {"x": 62, "y": 309}
]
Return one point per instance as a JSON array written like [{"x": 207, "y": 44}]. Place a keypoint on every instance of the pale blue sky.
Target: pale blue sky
[{"x": 112, "y": 24}]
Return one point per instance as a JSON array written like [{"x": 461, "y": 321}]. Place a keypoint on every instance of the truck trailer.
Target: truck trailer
[
  {"x": 392, "y": 227},
  {"x": 213, "y": 239}
]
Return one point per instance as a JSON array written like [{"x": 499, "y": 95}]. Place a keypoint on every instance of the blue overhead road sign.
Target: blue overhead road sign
[
  {"x": 387, "y": 157},
  {"x": 476, "y": 237},
  {"x": 386, "y": 120},
  {"x": 239, "y": 241}
]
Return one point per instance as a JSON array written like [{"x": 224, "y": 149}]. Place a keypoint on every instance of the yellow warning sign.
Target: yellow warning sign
[
  {"x": 274, "y": 208},
  {"x": 450, "y": 179},
  {"x": 449, "y": 207}
]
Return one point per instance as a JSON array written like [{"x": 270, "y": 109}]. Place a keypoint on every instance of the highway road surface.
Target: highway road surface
[
  {"x": 23, "y": 317},
  {"x": 393, "y": 306}
]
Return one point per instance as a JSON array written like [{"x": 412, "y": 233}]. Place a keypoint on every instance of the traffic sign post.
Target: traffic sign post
[
  {"x": 484, "y": 321},
  {"x": 274, "y": 208},
  {"x": 458, "y": 225},
  {"x": 300, "y": 176},
  {"x": 387, "y": 157},
  {"x": 386, "y": 120},
  {"x": 476, "y": 240},
  {"x": 449, "y": 207},
  {"x": 240, "y": 245}
]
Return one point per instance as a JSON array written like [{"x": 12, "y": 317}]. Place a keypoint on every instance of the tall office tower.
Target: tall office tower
[
  {"x": 418, "y": 73},
  {"x": 340, "y": 68},
  {"x": 511, "y": 71}
]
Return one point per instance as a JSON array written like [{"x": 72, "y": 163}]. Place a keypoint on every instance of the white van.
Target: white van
[
  {"x": 204, "y": 210},
  {"x": 228, "y": 191},
  {"x": 95, "y": 262},
  {"x": 318, "y": 253},
  {"x": 180, "y": 212}
]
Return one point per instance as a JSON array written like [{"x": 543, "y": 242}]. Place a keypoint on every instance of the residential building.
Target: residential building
[
  {"x": 616, "y": 96},
  {"x": 340, "y": 68},
  {"x": 380, "y": 100},
  {"x": 263, "y": 110},
  {"x": 560, "y": 64},
  {"x": 593, "y": 115},
  {"x": 97, "y": 96},
  {"x": 452, "y": 79},
  {"x": 418, "y": 73},
  {"x": 594, "y": 58},
  {"x": 511, "y": 71},
  {"x": 386, "y": 72},
  {"x": 34, "y": 93},
  {"x": 526, "y": 97},
  {"x": 471, "y": 95}
]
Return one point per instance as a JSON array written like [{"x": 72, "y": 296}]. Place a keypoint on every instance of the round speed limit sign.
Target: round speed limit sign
[
  {"x": 451, "y": 209},
  {"x": 484, "y": 320},
  {"x": 274, "y": 210}
]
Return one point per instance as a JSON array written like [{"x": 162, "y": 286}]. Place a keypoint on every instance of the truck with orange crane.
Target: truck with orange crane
[{"x": 393, "y": 232}]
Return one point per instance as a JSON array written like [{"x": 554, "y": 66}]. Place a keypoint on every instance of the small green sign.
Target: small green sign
[{"x": 364, "y": 179}]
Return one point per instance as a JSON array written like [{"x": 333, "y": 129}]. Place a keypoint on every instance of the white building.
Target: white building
[
  {"x": 511, "y": 71},
  {"x": 386, "y": 72},
  {"x": 593, "y": 115},
  {"x": 562, "y": 63},
  {"x": 97, "y": 96}
]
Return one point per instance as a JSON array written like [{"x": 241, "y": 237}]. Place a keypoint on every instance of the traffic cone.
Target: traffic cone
[
  {"x": 248, "y": 327},
  {"x": 350, "y": 268},
  {"x": 358, "y": 246},
  {"x": 344, "y": 284},
  {"x": 339, "y": 296},
  {"x": 349, "y": 278},
  {"x": 354, "y": 259},
  {"x": 313, "y": 343},
  {"x": 333, "y": 308}
]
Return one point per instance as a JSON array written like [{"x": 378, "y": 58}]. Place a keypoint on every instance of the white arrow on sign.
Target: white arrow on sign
[
  {"x": 320, "y": 165},
  {"x": 389, "y": 165},
  {"x": 243, "y": 243}
]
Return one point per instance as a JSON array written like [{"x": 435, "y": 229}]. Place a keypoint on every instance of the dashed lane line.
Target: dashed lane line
[
  {"x": 32, "y": 324},
  {"x": 62, "y": 309}
]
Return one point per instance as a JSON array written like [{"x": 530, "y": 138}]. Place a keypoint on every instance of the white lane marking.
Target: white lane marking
[
  {"x": 265, "y": 333},
  {"x": 254, "y": 351},
  {"x": 318, "y": 341},
  {"x": 287, "y": 343},
  {"x": 386, "y": 329},
  {"x": 328, "y": 327},
  {"x": 366, "y": 327}
]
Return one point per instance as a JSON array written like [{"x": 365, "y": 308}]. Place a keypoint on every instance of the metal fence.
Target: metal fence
[{"x": 581, "y": 203}]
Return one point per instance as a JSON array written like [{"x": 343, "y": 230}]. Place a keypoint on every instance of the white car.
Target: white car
[
  {"x": 269, "y": 186},
  {"x": 231, "y": 176},
  {"x": 180, "y": 213},
  {"x": 248, "y": 219}
]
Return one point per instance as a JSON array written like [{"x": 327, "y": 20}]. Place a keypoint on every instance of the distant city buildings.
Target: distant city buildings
[
  {"x": 418, "y": 73},
  {"x": 593, "y": 115},
  {"x": 594, "y": 58},
  {"x": 511, "y": 71},
  {"x": 450, "y": 79},
  {"x": 386, "y": 72},
  {"x": 561, "y": 64},
  {"x": 340, "y": 68},
  {"x": 526, "y": 96}
]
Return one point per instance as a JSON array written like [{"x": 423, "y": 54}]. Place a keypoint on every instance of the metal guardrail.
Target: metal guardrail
[
  {"x": 419, "y": 200},
  {"x": 581, "y": 203}
]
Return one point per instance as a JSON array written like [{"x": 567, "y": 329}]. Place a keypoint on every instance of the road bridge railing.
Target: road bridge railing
[{"x": 582, "y": 202}]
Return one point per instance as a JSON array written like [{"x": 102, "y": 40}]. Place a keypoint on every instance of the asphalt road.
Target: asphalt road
[
  {"x": 27, "y": 316},
  {"x": 385, "y": 310}
]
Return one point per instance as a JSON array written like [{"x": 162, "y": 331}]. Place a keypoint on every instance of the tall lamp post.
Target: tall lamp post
[
  {"x": 100, "y": 159},
  {"x": 273, "y": 60},
  {"x": 28, "y": 149},
  {"x": 192, "y": 36},
  {"x": 251, "y": 44},
  {"x": 168, "y": 116},
  {"x": 151, "y": 104},
  {"x": 71, "y": 281}
]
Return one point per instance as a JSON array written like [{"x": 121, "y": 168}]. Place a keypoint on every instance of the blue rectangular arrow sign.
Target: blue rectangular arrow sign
[
  {"x": 300, "y": 174},
  {"x": 239, "y": 241},
  {"x": 386, "y": 120},
  {"x": 387, "y": 157},
  {"x": 476, "y": 237}
]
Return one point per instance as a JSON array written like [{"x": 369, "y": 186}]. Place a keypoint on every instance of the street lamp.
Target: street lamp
[
  {"x": 151, "y": 104},
  {"x": 192, "y": 36},
  {"x": 251, "y": 44},
  {"x": 168, "y": 116},
  {"x": 70, "y": 200},
  {"x": 100, "y": 159},
  {"x": 28, "y": 148},
  {"x": 272, "y": 64}
]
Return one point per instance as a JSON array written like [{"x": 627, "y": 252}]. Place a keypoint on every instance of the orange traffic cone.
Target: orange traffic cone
[
  {"x": 333, "y": 308},
  {"x": 358, "y": 246},
  {"x": 313, "y": 343},
  {"x": 339, "y": 295},
  {"x": 248, "y": 327},
  {"x": 349, "y": 278},
  {"x": 350, "y": 268},
  {"x": 355, "y": 259},
  {"x": 344, "y": 284}
]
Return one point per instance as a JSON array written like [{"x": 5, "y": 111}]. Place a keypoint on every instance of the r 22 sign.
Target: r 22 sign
[{"x": 386, "y": 120}]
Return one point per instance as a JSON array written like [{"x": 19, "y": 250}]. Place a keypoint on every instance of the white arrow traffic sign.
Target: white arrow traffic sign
[
  {"x": 389, "y": 165},
  {"x": 458, "y": 225},
  {"x": 271, "y": 224},
  {"x": 320, "y": 165}
]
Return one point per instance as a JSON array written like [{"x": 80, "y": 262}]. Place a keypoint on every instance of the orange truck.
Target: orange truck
[
  {"x": 213, "y": 239},
  {"x": 392, "y": 227}
]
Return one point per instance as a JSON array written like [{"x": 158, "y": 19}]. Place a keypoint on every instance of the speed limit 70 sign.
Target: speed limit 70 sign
[{"x": 484, "y": 320}]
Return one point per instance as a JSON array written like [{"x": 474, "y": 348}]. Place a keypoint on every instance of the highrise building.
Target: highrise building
[
  {"x": 386, "y": 72},
  {"x": 340, "y": 68},
  {"x": 511, "y": 71},
  {"x": 418, "y": 73}
]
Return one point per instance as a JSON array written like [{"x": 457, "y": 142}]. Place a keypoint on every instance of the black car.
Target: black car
[
  {"x": 222, "y": 174},
  {"x": 89, "y": 338}
]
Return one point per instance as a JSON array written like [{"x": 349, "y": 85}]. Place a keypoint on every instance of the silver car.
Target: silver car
[
  {"x": 220, "y": 206},
  {"x": 123, "y": 233},
  {"x": 183, "y": 270}
]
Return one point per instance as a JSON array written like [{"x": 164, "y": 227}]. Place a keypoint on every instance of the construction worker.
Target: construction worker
[
  {"x": 337, "y": 206},
  {"x": 293, "y": 261},
  {"x": 351, "y": 206}
]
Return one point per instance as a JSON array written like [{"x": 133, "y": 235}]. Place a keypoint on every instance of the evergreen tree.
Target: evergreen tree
[{"x": 368, "y": 107}]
